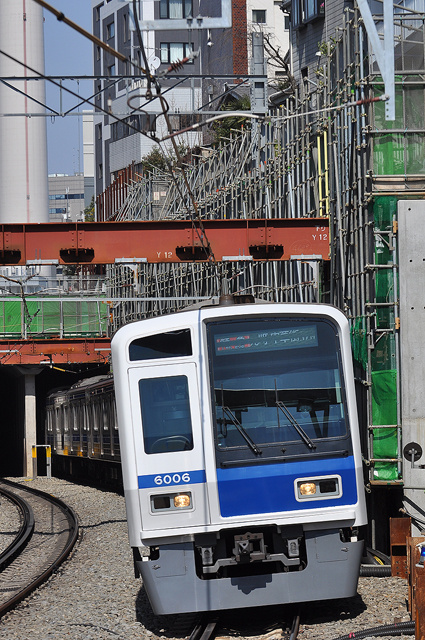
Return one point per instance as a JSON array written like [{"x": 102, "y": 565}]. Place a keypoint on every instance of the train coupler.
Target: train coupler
[{"x": 249, "y": 547}]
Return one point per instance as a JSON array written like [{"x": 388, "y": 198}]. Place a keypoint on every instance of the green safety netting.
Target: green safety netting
[
  {"x": 384, "y": 210},
  {"x": 384, "y": 397},
  {"x": 359, "y": 341},
  {"x": 384, "y": 411},
  {"x": 398, "y": 148},
  {"x": 383, "y": 356},
  {"x": 43, "y": 318},
  {"x": 10, "y": 318},
  {"x": 84, "y": 318}
]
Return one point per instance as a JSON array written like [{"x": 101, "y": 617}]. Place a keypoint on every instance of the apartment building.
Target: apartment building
[{"x": 121, "y": 93}]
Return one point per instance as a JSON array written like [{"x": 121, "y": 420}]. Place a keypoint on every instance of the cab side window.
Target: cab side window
[{"x": 166, "y": 420}]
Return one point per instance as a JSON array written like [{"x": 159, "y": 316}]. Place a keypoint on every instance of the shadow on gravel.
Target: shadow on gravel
[
  {"x": 329, "y": 610},
  {"x": 251, "y": 622},
  {"x": 172, "y": 626}
]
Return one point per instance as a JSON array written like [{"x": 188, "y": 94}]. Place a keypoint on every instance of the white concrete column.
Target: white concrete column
[{"x": 30, "y": 423}]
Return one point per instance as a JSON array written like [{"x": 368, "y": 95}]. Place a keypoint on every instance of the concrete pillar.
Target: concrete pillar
[
  {"x": 30, "y": 423},
  {"x": 30, "y": 415}
]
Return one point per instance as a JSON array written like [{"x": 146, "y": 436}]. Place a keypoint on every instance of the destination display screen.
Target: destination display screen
[{"x": 272, "y": 340}]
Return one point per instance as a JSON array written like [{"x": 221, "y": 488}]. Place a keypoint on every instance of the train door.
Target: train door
[{"x": 168, "y": 443}]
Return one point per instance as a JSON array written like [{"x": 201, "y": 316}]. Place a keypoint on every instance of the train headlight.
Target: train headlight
[
  {"x": 182, "y": 501},
  {"x": 318, "y": 488},
  {"x": 171, "y": 502},
  {"x": 307, "y": 488}
]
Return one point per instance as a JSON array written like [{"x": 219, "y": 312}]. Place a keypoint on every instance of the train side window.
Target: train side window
[
  {"x": 166, "y": 420},
  {"x": 162, "y": 345}
]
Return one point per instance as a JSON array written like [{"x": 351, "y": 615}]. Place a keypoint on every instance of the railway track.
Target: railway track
[
  {"x": 47, "y": 534},
  {"x": 222, "y": 627}
]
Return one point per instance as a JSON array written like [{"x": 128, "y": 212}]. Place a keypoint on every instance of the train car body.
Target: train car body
[
  {"x": 240, "y": 455},
  {"x": 81, "y": 424}
]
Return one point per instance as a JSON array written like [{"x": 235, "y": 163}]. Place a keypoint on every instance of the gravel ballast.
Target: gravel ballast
[
  {"x": 10, "y": 522},
  {"x": 94, "y": 595}
]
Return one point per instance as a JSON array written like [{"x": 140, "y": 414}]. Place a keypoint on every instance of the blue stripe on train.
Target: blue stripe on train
[
  {"x": 164, "y": 480},
  {"x": 270, "y": 488}
]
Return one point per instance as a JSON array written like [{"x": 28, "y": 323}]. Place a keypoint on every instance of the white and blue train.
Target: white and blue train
[{"x": 240, "y": 455}]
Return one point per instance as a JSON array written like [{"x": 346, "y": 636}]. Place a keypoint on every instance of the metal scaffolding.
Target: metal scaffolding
[
  {"x": 156, "y": 289},
  {"x": 315, "y": 156}
]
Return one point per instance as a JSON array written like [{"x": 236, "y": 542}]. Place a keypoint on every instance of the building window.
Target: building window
[
  {"x": 99, "y": 132},
  {"x": 124, "y": 26},
  {"x": 111, "y": 70},
  {"x": 97, "y": 12},
  {"x": 259, "y": 16},
  {"x": 174, "y": 51},
  {"x": 131, "y": 125},
  {"x": 100, "y": 171},
  {"x": 110, "y": 30},
  {"x": 175, "y": 9},
  {"x": 66, "y": 196},
  {"x": 97, "y": 53},
  {"x": 304, "y": 11}
]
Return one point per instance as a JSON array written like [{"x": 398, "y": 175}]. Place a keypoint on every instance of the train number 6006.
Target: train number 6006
[{"x": 175, "y": 478}]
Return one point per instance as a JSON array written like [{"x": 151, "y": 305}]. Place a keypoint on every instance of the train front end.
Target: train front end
[{"x": 241, "y": 455}]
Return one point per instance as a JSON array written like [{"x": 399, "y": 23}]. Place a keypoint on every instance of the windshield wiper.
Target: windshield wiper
[
  {"x": 309, "y": 442},
  {"x": 288, "y": 415},
  {"x": 241, "y": 430}
]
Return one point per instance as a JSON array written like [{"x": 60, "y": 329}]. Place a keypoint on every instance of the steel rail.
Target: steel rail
[
  {"x": 295, "y": 627},
  {"x": 205, "y": 628},
  {"x": 60, "y": 558},
  {"x": 25, "y": 531}
]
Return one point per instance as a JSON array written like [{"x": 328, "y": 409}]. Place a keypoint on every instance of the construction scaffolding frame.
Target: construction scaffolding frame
[{"x": 315, "y": 156}]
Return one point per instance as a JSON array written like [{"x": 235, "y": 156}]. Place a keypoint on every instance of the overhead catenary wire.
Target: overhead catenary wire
[
  {"x": 62, "y": 18},
  {"x": 345, "y": 105},
  {"x": 75, "y": 94}
]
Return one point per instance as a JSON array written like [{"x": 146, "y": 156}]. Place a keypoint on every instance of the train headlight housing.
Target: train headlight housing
[
  {"x": 182, "y": 501},
  {"x": 171, "y": 502},
  {"x": 318, "y": 488},
  {"x": 307, "y": 488}
]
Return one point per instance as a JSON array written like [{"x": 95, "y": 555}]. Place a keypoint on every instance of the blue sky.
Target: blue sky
[{"x": 68, "y": 53}]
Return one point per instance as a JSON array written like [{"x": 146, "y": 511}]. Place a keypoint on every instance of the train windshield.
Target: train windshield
[{"x": 276, "y": 380}]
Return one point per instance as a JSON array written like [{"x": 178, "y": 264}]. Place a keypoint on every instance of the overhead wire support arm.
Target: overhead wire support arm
[
  {"x": 73, "y": 93},
  {"x": 27, "y": 95}
]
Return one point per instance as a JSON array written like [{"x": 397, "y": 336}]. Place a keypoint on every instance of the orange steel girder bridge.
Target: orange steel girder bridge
[{"x": 164, "y": 241}]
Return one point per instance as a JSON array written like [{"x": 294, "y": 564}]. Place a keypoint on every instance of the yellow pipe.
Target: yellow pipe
[
  {"x": 326, "y": 171},
  {"x": 319, "y": 171}
]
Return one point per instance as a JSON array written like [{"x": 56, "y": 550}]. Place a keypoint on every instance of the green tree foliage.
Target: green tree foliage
[
  {"x": 155, "y": 159},
  {"x": 224, "y": 128},
  {"x": 89, "y": 211}
]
